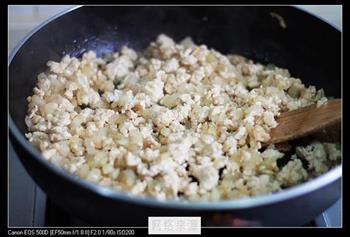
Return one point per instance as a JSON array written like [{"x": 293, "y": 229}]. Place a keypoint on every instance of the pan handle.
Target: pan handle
[{"x": 227, "y": 219}]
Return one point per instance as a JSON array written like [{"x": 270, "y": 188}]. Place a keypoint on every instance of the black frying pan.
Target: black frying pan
[{"x": 308, "y": 47}]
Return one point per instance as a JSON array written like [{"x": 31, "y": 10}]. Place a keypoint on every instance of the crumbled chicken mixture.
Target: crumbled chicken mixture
[{"x": 177, "y": 121}]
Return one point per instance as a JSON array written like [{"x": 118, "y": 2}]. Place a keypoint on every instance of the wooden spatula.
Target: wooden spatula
[{"x": 301, "y": 122}]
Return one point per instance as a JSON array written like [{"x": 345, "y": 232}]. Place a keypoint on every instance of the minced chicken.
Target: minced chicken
[{"x": 177, "y": 121}]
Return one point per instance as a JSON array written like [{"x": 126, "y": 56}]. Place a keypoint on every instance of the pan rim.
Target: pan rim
[{"x": 243, "y": 203}]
